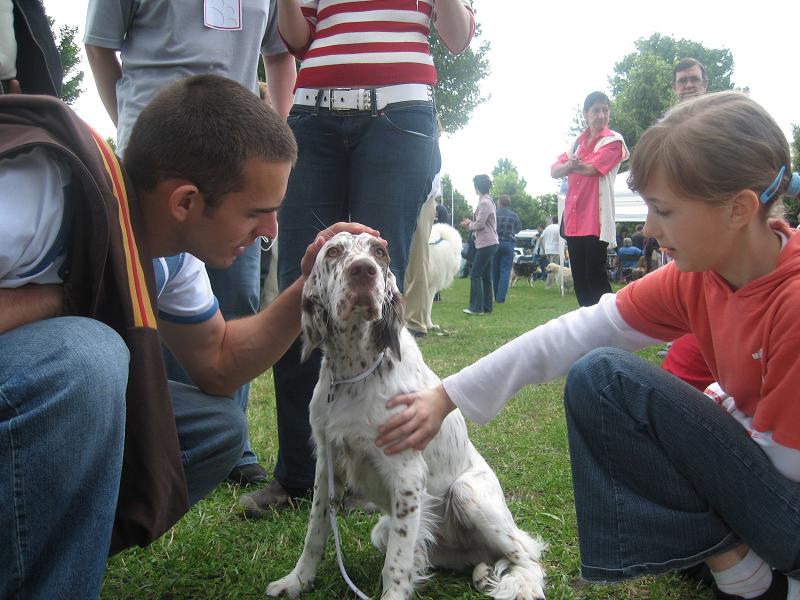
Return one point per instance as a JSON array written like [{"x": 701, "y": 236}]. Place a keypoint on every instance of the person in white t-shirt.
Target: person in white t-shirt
[{"x": 551, "y": 240}]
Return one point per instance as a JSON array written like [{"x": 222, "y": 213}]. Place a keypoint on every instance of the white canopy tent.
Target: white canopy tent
[{"x": 628, "y": 206}]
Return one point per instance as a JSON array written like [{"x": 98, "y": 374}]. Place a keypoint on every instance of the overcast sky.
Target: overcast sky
[{"x": 546, "y": 57}]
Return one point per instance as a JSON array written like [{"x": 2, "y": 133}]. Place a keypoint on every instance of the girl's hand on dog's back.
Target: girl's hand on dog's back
[{"x": 418, "y": 424}]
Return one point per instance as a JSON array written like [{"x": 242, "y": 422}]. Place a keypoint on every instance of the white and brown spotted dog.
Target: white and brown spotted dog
[{"x": 442, "y": 507}]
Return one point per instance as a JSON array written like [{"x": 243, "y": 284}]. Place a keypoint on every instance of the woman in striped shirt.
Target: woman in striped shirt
[{"x": 365, "y": 121}]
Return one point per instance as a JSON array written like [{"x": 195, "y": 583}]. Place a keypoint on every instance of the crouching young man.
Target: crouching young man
[{"x": 99, "y": 264}]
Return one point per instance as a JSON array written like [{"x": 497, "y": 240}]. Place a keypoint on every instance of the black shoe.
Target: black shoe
[
  {"x": 257, "y": 504},
  {"x": 777, "y": 590},
  {"x": 248, "y": 474},
  {"x": 417, "y": 334}
]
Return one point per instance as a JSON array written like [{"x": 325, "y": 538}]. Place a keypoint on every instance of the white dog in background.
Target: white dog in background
[
  {"x": 558, "y": 272},
  {"x": 443, "y": 506},
  {"x": 444, "y": 261}
]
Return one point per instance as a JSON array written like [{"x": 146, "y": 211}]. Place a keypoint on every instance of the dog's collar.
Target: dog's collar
[{"x": 356, "y": 378}]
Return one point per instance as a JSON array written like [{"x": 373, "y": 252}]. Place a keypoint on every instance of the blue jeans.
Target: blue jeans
[
  {"x": 480, "y": 280},
  {"x": 664, "y": 478},
  {"x": 62, "y": 422},
  {"x": 502, "y": 262},
  {"x": 352, "y": 166},
  {"x": 238, "y": 289}
]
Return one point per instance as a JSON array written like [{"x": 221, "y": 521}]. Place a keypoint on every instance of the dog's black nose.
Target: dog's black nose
[{"x": 362, "y": 270}]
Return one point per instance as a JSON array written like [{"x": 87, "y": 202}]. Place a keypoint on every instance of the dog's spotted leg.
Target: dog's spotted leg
[
  {"x": 399, "y": 568},
  {"x": 302, "y": 576}
]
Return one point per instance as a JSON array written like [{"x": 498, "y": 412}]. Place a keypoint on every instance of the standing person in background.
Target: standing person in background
[
  {"x": 417, "y": 295},
  {"x": 539, "y": 254},
  {"x": 159, "y": 42},
  {"x": 484, "y": 225},
  {"x": 638, "y": 239},
  {"x": 365, "y": 121},
  {"x": 29, "y": 59},
  {"x": 591, "y": 164},
  {"x": 508, "y": 224},
  {"x": 550, "y": 240},
  {"x": 442, "y": 214}
]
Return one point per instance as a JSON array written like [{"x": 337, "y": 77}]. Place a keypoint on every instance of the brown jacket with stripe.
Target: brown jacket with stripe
[{"x": 109, "y": 277}]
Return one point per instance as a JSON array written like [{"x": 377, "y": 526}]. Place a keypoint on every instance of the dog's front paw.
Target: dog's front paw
[{"x": 291, "y": 586}]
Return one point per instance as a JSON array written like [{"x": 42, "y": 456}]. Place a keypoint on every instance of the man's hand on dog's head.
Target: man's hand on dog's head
[{"x": 307, "y": 262}]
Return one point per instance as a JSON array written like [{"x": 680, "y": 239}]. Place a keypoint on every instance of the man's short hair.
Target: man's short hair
[
  {"x": 504, "y": 200},
  {"x": 204, "y": 129},
  {"x": 688, "y": 63},
  {"x": 482, "y": 183}
]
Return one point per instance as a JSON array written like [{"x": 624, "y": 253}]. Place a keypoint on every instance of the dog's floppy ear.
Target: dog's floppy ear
[
  {"x": 312, "y": 324},
  {"x": 386, "y": 332}
]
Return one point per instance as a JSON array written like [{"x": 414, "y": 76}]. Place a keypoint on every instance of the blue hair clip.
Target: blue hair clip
[
  {"x": 793, "y": 191},
  {"x": 768, "y": 193}
]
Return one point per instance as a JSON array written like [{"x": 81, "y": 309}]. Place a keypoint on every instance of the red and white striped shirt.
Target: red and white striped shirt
[{"x": 367, "y": 43}]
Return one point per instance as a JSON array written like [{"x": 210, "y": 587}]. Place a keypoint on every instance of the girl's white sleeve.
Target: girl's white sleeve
[{"x": 483, "y": 388}]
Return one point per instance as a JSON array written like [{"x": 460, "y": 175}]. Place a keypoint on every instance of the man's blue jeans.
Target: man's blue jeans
[
  {"x": 352, "y": 166},
  {"x": 502, "y": 262},
  {"x": 238, "y": 289},
  {"x": 664, "y": 478},
  {"x": 62, "y": 427}
]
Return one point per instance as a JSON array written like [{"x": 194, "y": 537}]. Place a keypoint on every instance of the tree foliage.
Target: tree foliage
[
  {"x": 532, "y": 211},
  {"x": 793, "y": 204},
  {"x": 70, "y": 54},
  {"x": 641, "y": 87},
  {"x": 458, "y": 92}
]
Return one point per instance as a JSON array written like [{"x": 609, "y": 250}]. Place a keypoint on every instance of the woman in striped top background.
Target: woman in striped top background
[{"x": 365, "y": 121}]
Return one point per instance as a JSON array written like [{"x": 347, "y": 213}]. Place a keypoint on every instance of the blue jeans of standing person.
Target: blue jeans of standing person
[
  {"x": 502, "y": 262},
  {"x": 352, "y": 166},
  {"x": 480, "y": 280},
  {"x": 238, "y": 289},
  {"x": 665, "y": 478},
  {"x": 62, "y": 429}
]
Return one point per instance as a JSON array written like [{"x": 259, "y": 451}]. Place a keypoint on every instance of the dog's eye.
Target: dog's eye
[
  {"x": 332, "y": 252},
  {"x": 379, "y": 252}
]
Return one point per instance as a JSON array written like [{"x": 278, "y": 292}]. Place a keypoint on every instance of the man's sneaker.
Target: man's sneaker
[
  {"x": 778, "y": 590},
  {"x": 248, "y": 474},
  {"x": 467, "y": 311},
  {"x": 257, "y": 504},
  {"x": 417, "y": 334}
]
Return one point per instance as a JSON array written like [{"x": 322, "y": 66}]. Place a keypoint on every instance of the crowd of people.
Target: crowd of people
[{"x": 130, "y": 325}]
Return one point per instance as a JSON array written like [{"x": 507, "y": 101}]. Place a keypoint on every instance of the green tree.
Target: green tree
[
  {"x": 532, "y": 211},
  {"x": 458, "y": 92},
  {"x": 793, "y": 204},
  {"x": 641, "y": 87},
  {"x": 70, "y": 54}
]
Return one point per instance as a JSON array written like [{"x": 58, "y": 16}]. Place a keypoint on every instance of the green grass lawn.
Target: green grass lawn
[{"x": 215, "y": 553}]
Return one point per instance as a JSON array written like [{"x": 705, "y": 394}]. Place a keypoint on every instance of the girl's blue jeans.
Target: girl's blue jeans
[{"x": 665, "y": 478}]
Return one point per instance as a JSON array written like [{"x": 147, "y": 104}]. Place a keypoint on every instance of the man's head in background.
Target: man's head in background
[{"x": 689, "y": 79}]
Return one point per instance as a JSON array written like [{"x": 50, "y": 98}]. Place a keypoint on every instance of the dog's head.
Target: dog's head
[
  {"x": 351, "y": 286},
  {"x": 551, "y": 268}
]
